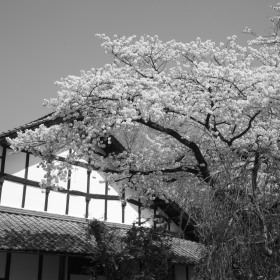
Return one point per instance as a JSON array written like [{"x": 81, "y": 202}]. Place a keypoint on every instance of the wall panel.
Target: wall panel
[
  {"x": 57, "y": 202},
  {"x": 78, "y": 179},
  {"x": 50, "y": 267},
  {"x": 11, "y": 194},
  {"x": 113, "y": 189},
  {"x": 77, "y": 206},
  {"x": 24, "y": 267},
  {"x": 3, "y": 258},
  {"x": 131, "y": 213},
  {"x": 97, "y": 183},
  {"x": 97, "y": 209},
  {"x": 114, "y": 211},
  {"x": 147, "y": 217},
  {"x": 15, "y": 163},
  {"x": 35, "y": 172},
  {"x": 180, "y": 272},
  {"x": 34, "y": 199}
]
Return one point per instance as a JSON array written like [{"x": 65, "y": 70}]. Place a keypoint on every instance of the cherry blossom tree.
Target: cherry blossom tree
[
  {"x": 202, "y": 116},
  {"x": 198, "y": 105}
]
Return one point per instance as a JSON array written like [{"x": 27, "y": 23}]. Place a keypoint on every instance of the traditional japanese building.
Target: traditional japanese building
[{"x": 42, "y": 233}]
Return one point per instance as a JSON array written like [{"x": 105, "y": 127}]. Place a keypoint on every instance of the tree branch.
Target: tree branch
[
  {"x": 202, "y": 164},
  {"x": 246, "y": 130}
]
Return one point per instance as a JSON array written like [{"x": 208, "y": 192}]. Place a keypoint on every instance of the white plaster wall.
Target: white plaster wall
[
  {"x": 97, "y": 183},
  {"x": 35, "y": 172},
  {"x": 78, "y": 179},
  {"x": 15, "y": 163},
  {"x": 114, "y": 211},
  {"x": 131, "y": 214},
  {"x": 35, "y": 198},
  {"x": 57, "y": 203},
  {"x": 11, "y": 194}
]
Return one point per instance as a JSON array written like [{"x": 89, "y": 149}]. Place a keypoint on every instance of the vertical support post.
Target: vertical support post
[
  {"x": 1, "y": 186},
  {"x": 88, "y": 187},
  {"x": 2, "y": 168},
  {"x": 3, "y": 159},
  {"x": 139, "y": 213},
  {"x": 47, "y": 199},
  {"x": 155, "y": 213},
  {"x": 40, "y": 268},
  {"x": 123, "y": 205},
  {"x": 25, "y": 177},
  {"x": 8, "y": 266},
  {"x": 68, "y": 189},
  {"x": 61, "y": 271},
  {"x": 106, "y": 201}
]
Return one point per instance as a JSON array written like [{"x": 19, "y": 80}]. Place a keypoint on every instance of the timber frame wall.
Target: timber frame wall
[{"x": 25, "y": 182}]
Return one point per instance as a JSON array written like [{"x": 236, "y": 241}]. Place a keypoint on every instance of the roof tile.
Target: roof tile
[{"x": 32, "y": 231}]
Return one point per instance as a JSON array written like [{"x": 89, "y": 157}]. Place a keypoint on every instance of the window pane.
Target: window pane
[
  {"x": 97, "y": 209},
  {"x": 79, "y": 179},
  {"x": 11, "y": 194},
  {"x": 34, "y": 199},
  {"x": 50, "y": 267},
  {"x": 77, "y": 206},
  {"x": 57, "y": 202},
  {"x": 114, "y": 211},
  {"x": 97, "y": 183},
  {"x": 15, "y": 163}
]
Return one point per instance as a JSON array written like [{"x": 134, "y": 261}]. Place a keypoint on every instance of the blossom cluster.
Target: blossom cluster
[{"x": 195, "y": 104}]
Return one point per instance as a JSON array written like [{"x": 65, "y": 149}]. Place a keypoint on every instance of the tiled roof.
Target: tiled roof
[
  {"x": 115, "y": 146},
  {"x": 31, "y": 231},
  {"x": 30, "y": 125},
  {"x": 24, "y": 230}
]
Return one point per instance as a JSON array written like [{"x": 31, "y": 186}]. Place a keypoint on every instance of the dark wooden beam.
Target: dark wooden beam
[
  {"x": 61, "y": 271},
  {"x": 8, "y": 266},
  {"x": 15, "y": 179},
  {"x": 25, "y": 177},
  {"x": 67, "y": 193},
  {"x": 106, "y": 202},
  {"x": 40, "y": 268}
]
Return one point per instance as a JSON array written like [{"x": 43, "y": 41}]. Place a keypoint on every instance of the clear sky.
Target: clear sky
[{"x": 44, "y": 40}]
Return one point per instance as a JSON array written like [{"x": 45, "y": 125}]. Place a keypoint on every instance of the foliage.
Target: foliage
[
  {"x": 204, "y": 119},
  {"x": 119, "y": 252}
]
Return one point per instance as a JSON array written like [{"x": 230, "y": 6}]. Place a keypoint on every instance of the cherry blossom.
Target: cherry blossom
[{"x": 203, "y": 113}]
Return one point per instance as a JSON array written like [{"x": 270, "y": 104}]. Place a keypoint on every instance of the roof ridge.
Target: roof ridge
[
  {"x": 27, "y": 212},
  {"x": 28, "y": 125}
]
